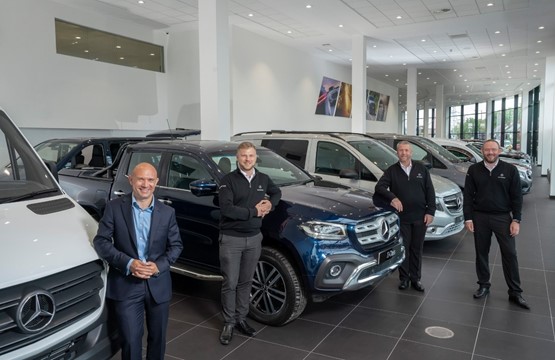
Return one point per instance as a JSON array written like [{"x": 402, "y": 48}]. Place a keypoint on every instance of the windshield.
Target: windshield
[
  {"x": 474, "y": 148},
  {"x": 441, "y": 150},
  {"x": 281, "y": 171},
  {"x": 22, "y": 174},
  {"x": 381, "y": 155}
]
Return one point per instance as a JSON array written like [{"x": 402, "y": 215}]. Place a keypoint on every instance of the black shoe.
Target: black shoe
[
  {"x": 226, "y": 334},
  {"x": 245, "y": 328},
  {"x": 417, "y": 285},
  {"x": 519, "y": 300},
  {"x": 404, "y": 285},
  {"x": 481, "y": 292}
]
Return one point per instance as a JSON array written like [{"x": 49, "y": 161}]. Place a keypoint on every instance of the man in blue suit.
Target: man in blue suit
[{"x": 139, "y": 238}]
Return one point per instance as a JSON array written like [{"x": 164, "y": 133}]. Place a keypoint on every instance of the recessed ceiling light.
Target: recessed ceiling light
[
  {"x": 78, "y": 37},
  {"x": 501, "y": 45},
  {"x": 460, "y": 75},
  {"x": 308, "y": 6},
  {"x": 536, "y": 64},
  {"x": 122, "y": 58},
  {"x": 507, "y": 66},
  {"x": 497, "y": 32},
  {"x": 541, "y": 27},
  {"x": 503, "y": 54},
  {"x": 386, "y": 75},
  {"x": 399, "y": 17},
  {"x": 510, "y": 77},
  {"x": 86, "y": 51},
  {"x": 374, "y": 46},
  {"x": 443, "y": 59},
  {"x": 340, "y": 25},
  {"x": 251, "y": 15},
  {"x": 330, "y": 50},
  {"x": 508, "y": 72},
  {"x": 396, "y": 79},
  {"x": 152, "y": 54},
  {"x": 141, "y": 2},
  {"x": 537, "y": 52},
  {"x": 427, "y": 78},
  {"x": 435, "y": 82},
  {"x": 489, "y": 4},
  {"x": 423, "y": 40},
  {"x": 535, "y": 70},
  {"x": 404, "y": 64},
  {"x": 118, "y": 46},
  {"x": 289, "y": 31},
  {"x": 419, "y": 73},
  {"x": 455, "y": 70}
]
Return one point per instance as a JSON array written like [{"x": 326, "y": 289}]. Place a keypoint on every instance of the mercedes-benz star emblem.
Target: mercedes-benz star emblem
[
  {"x": 35, "y": 311},
  {"x": 384, "y": 229}
]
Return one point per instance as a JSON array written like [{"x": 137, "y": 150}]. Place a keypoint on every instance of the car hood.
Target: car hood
[
  {"x": 443, "y": 186},
  {"x": 326, "y": 203},
  {"x": 34, "y": 246}
]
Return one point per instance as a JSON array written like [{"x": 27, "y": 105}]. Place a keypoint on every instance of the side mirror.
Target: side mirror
[
  {"x": 348, "y": 174},
  {"x": 203, "y": 187}
]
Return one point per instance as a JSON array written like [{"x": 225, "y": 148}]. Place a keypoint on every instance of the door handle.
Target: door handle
[
  {"x": 165, "y": 201},
  {"x": 119, "y": 193}
]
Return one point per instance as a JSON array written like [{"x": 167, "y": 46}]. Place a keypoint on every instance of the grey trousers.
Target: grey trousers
[{"x": 238, "y": 259}]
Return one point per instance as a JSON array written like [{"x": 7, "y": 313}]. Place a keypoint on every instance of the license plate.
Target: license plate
[{"x": 387, "y": 254}]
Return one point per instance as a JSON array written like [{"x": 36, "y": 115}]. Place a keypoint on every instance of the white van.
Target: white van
[
  {"x": 52, "y": 283},
  {"x": 358, "y": 161}
]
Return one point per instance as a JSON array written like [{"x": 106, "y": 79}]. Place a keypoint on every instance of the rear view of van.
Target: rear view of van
[{"x": 52, "y": 284}]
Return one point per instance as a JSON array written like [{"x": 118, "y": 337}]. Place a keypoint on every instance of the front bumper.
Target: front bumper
[
  {"x": 347, "y": 272},
  {"x": 444, "y": 225}
]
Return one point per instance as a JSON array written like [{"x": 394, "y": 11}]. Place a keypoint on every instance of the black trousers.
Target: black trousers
[
  {"x": 499, "y": 224},
  {"x": 413, "y": 239}
]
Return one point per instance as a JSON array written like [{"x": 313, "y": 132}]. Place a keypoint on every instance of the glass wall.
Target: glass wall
[
  {"x": 507, "y": 122},
  {"x": 468, "y": 121}
]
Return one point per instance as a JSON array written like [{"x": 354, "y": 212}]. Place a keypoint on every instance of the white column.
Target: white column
[
  {"x": 489, "y": 119},
  {"x": 524, "y": 121},
  {"x": 546, "y": 123},
  {"x": 440, "y": 113},
  {"x": 358, "y": 70},
  {"x": 215, "y": 103},
  {"x": 426, "y": 119},
  {"x": 411, "y": 101}
]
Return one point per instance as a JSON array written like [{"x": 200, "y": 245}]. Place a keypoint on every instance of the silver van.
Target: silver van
[{"x": 358, "y": 161}]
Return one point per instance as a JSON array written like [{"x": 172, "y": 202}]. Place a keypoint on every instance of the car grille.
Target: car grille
[
  {"x": 75, "y": 293},
  {"x": 377, "y": 231},
  {"x": 454, "y": 203}
]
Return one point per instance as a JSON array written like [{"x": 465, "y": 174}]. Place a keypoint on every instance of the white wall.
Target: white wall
[
  {"x": 50, "y": 95},
  {"x": 42, "y": 89},
  {"x": 276, "y": 87}
]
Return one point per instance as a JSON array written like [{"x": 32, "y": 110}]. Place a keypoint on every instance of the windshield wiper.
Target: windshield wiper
[{"x": 29, "y": 195}]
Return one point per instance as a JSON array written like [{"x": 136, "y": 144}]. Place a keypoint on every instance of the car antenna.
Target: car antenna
[{"x": 169, "y": 128}]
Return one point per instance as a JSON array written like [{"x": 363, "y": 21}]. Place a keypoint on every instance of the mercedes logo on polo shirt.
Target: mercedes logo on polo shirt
[{"x": 35, "y": 311}]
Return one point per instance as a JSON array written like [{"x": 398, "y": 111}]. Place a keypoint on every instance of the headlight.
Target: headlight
[
  {"x": 324, "y": 230},
  {"x": 438, "y": 205}
]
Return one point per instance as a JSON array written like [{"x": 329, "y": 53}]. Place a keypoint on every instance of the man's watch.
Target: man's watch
[{"x": 516, "y": 221}]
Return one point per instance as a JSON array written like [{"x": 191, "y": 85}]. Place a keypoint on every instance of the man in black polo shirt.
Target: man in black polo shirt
[
  {"x": 407, "y": 186},
  {"x": 493, "y": 204}
]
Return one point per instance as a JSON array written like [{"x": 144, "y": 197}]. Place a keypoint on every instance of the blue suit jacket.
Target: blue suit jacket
[{"x": 116, "y": 243}]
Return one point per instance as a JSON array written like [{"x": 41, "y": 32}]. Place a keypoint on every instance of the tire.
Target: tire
[{"x": 277, "y": 295}]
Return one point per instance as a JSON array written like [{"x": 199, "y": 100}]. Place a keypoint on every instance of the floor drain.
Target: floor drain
[{"x": 439, "y": 332}]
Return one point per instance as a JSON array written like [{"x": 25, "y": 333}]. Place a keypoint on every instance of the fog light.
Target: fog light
[
  {"x": 335, "y": 270},
  {"x": 431, "y": 229}
]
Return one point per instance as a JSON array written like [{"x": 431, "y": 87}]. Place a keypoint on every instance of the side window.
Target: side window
[
  {"x": 463, "y": 155},
  {"x": 148, "y": 157},
  {"x": 418, "y": 153},
  {"x": 366, "y": 174},
  {"x": 292, "y": 150},
  {"x": 332, "y": 158},
  {"x": 184, "y": 169}
]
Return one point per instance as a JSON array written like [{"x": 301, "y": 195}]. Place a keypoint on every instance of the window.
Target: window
[
  {"x": 87, "y": 43},
  {"x": 140, "y": 157},
  {"x": 332, "y": 158},
  {"x": 292, "y": 150},
  {"x": 183, "y": 170}
]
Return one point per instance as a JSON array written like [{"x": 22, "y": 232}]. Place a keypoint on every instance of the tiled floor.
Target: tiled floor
[{"x": 382, "y": 322}]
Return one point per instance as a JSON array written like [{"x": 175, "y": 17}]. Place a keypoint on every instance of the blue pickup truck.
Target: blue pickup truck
[{"x": 321, "y": 240}]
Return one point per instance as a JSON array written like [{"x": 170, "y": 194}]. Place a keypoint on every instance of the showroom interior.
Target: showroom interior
[{"x": 231, "y": 66}]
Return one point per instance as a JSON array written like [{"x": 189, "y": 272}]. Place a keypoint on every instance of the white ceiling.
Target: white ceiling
[{"x": 478, "y": 49}]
